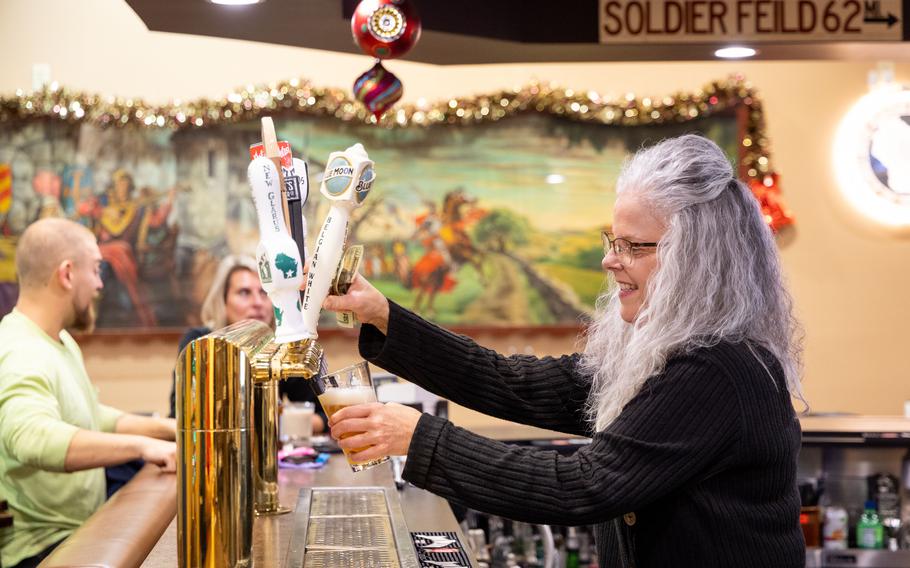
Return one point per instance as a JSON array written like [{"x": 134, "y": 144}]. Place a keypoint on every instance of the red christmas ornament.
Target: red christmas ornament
[
  {"x": 767, "y": 192},
  {"x": 378, "y": 89},
  {"x": 385, "y": 29}
]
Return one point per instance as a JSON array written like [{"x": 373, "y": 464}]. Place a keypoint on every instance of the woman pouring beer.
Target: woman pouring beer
[{"x": 684, "y": 386}]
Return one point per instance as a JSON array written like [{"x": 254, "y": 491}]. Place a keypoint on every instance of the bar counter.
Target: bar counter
[
  {"x": 127, "y": 530},
  {"x": 423, "y": 511},
  {"x": 123, "y": 530},
  {"x": 138, "y": 526}
]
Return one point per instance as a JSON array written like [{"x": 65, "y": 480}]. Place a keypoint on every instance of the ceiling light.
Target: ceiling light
[
  {"x": 236, "y": 2},
  {"x": 555, "y": 178},
  {"x": 734, "y": 52}
]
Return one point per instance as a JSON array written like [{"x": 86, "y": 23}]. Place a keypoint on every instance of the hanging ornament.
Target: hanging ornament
[
  {"x": 378, "y": 89},
  {"x": 385, "y": 29}
]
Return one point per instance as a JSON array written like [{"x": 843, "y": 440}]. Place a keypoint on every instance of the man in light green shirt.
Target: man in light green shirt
[{"x": 55, "y": 437}]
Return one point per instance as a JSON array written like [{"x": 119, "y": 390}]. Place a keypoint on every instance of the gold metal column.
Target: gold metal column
[
  {"x": 215, "y": 485},
  {"x": 265, "y": 436}
]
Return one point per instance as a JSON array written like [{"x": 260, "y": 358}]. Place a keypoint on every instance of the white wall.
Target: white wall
[{"x": 850, "y": 279}]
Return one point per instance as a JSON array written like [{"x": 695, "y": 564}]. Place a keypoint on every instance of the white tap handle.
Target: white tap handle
[
  {"x": 300, "y": 169},
  {"x": 347, "y": 180},
  {"x": 324, "y": 263},
  {"x": 278, "y": 260},
  {"x": 348, "y": 176}
]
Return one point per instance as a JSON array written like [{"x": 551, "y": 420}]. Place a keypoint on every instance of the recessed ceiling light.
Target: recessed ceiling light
[
  {"x": 236, "y": 2},
  {"x": 734, "y": 52}
]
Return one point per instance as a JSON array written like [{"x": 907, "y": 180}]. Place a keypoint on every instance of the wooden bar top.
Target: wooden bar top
[
  {"x": 834, "y": 422},
  {"x": 857, "y": 423}
]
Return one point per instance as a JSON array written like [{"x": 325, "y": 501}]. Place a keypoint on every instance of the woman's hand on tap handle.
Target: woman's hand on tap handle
[{"x": 367, "y": 303}]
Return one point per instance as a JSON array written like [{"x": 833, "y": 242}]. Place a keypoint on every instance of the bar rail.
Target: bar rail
[{"x": 122, "y": 532}]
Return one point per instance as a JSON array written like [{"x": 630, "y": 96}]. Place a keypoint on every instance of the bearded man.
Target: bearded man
[{"x": 55, "y": 437}]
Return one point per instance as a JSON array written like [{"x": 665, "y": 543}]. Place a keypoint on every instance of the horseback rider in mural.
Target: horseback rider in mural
[
  {"x": 454, "y": 232},
  {"x": 448, "y": 245}
]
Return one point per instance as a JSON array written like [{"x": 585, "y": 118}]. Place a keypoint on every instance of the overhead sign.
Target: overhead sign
[{"x": 755, "y": 21}]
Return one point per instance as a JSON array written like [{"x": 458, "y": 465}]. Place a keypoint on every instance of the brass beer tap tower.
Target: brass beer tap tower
[{"x": 227, "y": 381}]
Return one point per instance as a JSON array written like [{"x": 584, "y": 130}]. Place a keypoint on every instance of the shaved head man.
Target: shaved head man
[
  {"x": 58, "y": 264},
  {"x": 55, "y": 437}
]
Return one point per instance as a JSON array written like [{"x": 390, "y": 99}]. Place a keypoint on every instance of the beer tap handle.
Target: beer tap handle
[
  {"x": 273, "y": 153},
  {"x": 301, "y": 172},
  {"x": 280, "y": 267},
  {"x": 347, "y": 180},
  {"x": 295, "y": 178}
]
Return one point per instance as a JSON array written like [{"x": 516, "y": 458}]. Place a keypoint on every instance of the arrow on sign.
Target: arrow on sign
[{"x": 890, "y": 20}]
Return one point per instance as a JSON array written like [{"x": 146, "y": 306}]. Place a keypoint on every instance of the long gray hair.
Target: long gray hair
[{"x": 718, "y": 277}]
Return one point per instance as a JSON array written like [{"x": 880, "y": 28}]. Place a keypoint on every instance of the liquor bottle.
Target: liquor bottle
[
  {"x": 835, "y": 528},
  {"x": 573, "y": 549},
  {"x": 477, "y": 542},
  {"x": 584, "y": 549},
  {"x": 884, "y": 489},
  {"x": 869, "y": 531}
]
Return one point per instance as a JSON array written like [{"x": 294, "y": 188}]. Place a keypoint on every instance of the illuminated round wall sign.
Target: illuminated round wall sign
[{"x": 872, "y": 157}]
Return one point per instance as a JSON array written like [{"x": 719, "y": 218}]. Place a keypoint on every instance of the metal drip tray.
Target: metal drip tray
[
  {"x": 347, "y": 502},
  {"x": 352, "y": 558},
  {"x": 350, "y": 532},
  {"x": 351, "y": 527}
]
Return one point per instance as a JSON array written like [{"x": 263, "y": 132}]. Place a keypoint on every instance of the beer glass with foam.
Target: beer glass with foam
[{"x": 347, "y": 387}]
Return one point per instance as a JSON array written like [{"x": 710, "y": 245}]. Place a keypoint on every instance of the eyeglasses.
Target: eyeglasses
[{"x": 625, "y": 250}]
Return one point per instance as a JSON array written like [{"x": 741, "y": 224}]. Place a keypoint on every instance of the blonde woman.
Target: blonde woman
[{"x": 236, "y": 294}]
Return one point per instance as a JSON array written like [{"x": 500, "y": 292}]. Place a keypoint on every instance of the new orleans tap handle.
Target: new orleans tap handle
[
  {"x": 347, "y": 180},
  {"x": 278, "y": 259}
]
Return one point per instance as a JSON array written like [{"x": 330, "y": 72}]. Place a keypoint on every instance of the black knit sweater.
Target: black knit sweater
[{"x": 699, "y": 469}]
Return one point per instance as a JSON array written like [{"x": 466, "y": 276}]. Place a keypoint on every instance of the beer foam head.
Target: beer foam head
[{"x": 347, "y": 396}]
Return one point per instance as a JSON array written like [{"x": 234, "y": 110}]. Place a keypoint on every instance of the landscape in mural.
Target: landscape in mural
[{"x": 468, "y": 225}]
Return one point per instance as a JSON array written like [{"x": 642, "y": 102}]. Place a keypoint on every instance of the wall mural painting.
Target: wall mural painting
[{"x": 480, "y": 222}]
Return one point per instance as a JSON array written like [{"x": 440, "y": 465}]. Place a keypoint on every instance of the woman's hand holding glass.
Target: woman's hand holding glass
[{"x": 382, "y": 429}]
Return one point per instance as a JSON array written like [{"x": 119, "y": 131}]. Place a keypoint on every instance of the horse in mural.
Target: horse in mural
[
  {"x": 458, "y": 213},
  {"x": 444, "y": 235}
]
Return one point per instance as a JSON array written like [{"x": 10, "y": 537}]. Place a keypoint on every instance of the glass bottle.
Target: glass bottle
[
  {"x": 573, "y": 549},
  {"x": 869, "y": 531}
]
